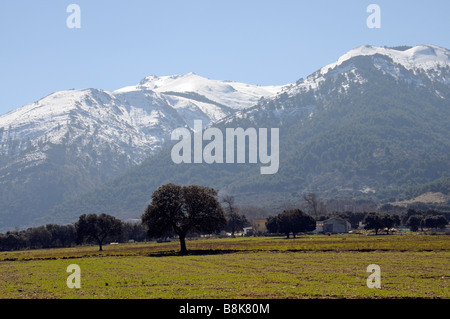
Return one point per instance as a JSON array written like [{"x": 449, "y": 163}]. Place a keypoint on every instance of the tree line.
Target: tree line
[
  {"x": 182, "y": 210},
  {"x": 413, "y": 219},
  {"x": 175, "y": 210},
  {"x": 60, "y": 236}
]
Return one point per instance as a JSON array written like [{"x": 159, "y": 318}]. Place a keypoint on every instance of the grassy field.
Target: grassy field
[{"x": 412, "y": 266}]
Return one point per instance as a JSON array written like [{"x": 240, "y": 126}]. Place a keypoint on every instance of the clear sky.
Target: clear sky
[{"x": 265, "y": 42}]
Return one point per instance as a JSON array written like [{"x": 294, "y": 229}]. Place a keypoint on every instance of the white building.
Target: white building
[
  {"x": 336, "y": 225},
  {"x": 248, "y": 231}
]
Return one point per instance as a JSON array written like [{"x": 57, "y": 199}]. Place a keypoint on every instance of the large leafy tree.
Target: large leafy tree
[
  {"x": 98, "y": 228},
  {"x": 183, "y": 209},
  {"x": 291, "y": 221},
  {"x": 390, "y": 221},
  {"x": 377, "y": 221},
  {"x": 373, "y": 221},
  {"x": 414, "y": 222}
]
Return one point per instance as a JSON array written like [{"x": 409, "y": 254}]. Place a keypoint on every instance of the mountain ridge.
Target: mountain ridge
[
  {"x": 364, "y": 132},
  {"x": 345, "y": 128},
  {"x": 74, "y": 140}
]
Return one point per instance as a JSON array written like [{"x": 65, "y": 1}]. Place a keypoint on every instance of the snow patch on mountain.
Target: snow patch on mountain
[
  {"x": 425, "y": 57},
  {"x": 136, "y": 120},
  {"x": 132, "y": 122},
  {"x": 429, "y": 60},
  {"x": 417, "y": 66},
  {"x": 234, "y": 95}
]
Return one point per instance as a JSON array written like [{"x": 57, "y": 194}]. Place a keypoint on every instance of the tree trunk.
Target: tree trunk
[
  {"x": 183, "y": 250},
  {"x": 99, "y": 242}
]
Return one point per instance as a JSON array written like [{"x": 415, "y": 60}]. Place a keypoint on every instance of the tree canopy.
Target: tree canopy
[
  {"x": 183, "y": 209},
  {"x": 377, "y": 221},
  {"x": 417, "y": 220},
  {"x": 291, "y": 221},
  {"x": 98, "y": 228}
]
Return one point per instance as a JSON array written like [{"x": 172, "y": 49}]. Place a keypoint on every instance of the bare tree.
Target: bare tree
[
  {"x": 317, "y": 207},
  {"x": 235, "y": 221},
  {"x": 228, "y": 200},
  {"x": 322, "y": 210},
  {"x": 311, "y": 200}
]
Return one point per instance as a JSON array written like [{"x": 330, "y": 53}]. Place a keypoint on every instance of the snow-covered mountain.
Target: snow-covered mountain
[
  {"x": 425, "y": 57},
  {"x": 134, "y": 120},
  {"x": 377, "y": 118},
  {"x": 420, "y": 66},
  {"x": 234, "y": 95},
  {"x": 90, "y": 135},
  {"x": 371, "y": 126},
  {"x": 428, "y": 60}
]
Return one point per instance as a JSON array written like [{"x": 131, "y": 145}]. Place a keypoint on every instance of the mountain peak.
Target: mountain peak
[
  {"x": 235, "y": 95},
  {"x": 424, "y": 57},
  {"x": 162, "y": 83}
]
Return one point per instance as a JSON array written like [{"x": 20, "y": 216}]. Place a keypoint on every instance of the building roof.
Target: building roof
[{"x": 335, "y": 219}]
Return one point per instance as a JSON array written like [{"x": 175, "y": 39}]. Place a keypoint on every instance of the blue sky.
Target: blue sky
[{"x": 261, "y": 42}]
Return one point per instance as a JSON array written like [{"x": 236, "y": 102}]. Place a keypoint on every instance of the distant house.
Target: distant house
[
  {"x": 319, "y": 227},
  {"x": 336, "y": 225},
  {"x": 259, "y": 226},
  {"x": 248, "y": 231}
]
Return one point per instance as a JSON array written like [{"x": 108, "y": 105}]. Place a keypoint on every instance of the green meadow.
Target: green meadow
[{"x": 310, "y": 266}]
